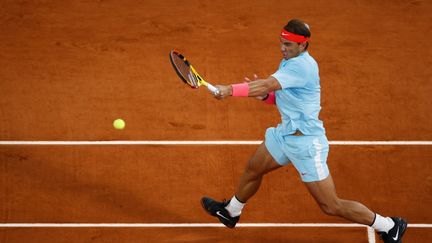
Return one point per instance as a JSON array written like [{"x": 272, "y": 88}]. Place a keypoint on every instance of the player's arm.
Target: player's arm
[
  {"x": 256, "y": 88},
  {"x": 261, "y": 87}
]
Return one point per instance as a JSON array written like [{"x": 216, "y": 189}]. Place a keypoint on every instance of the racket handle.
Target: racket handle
[{"x": 212, "y": 88}]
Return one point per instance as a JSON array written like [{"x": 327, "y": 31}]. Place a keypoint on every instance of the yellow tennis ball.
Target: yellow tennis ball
[{"x": 119, "y": 124}]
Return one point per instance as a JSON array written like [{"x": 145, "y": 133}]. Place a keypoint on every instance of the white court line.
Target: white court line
[
  {"x": 215, "y": 142},
  {"x": 371, "y": 235},
  {"x": 190, "y": 225},
  {"x": 370, "y": 231}
]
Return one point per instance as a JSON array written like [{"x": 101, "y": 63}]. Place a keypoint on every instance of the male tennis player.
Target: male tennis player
[{"x": 299, "y": 139}]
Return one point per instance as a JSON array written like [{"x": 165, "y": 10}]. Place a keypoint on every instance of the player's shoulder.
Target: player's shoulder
[
  {"x": 306, "y": 61},
  {"x": 297, "y": 63}
]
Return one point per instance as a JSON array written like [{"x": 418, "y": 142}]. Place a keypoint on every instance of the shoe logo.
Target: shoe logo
[
  {"x": 303, "y": 174},
  {"x": 397, "y": 234},
  {"x": 219, "y": 214}
]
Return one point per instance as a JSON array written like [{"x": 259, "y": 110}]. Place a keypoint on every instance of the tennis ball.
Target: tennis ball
[{"x": 119, "y": 124}]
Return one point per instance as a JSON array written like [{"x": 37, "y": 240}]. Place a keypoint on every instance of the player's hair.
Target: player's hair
[{"x": 298, "y": 27}]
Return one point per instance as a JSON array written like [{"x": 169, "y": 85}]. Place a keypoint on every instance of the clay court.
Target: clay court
[{"x": 69, "y": 68}]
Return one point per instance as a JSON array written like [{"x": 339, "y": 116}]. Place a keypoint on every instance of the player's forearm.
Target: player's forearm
[
  {"x": 260, "y": 87},
  {"x": 256, "y": 88}
]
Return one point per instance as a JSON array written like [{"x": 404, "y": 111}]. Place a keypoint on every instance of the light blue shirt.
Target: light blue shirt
[{"x": 298, "y": 101}]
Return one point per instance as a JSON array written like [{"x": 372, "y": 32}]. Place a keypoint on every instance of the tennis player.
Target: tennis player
[{"x": 299, "y": 139}]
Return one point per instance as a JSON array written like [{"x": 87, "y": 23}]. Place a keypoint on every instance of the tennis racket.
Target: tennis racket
[{"x": 187, "y": 73}]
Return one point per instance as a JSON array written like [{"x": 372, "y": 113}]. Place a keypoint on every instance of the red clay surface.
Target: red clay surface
[
  {"x": 163, "y": 184},
  {"x": 69, "y": 68},
  {"x": 293, "y": 235}
]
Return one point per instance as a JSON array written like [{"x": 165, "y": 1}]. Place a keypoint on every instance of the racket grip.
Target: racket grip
[{"x": 212, "y": 88}]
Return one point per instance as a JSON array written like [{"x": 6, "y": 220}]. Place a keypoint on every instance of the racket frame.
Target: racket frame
[{"x": 195, "y": 78}]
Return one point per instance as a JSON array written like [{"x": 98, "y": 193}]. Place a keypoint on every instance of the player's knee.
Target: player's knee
[{"x": 332, "y": 208}]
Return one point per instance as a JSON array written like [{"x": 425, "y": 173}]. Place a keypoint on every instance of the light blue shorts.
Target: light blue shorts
[{"x": 308, "y": 154}]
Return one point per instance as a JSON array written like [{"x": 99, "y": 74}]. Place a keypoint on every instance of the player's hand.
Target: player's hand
[
  {"x": 248, "y": 80},
  {"x": 255, "y": 77},
  {"x": 224, "y": 91}
]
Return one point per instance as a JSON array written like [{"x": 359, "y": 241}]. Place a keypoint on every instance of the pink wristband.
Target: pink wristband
[
  {"x": 240, "y": 90},
  {"x": 271, "y": 99}
]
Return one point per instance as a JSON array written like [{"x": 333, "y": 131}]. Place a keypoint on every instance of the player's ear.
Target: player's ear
[{"x": 302, "y": 46}]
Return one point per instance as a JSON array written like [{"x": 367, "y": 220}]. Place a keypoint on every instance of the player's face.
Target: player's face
[{"x": 290, "y": 49}]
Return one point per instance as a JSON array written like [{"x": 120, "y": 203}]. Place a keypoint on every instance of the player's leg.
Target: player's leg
[
  {"x": 268, "y": 157},
  {"x": 260, "y": 164},
  {"x": 325, "y": 195},
  {"x": 324, "y": 192},
  {"x": 228, "y": 212},
  {"x": 312, "y": 166}
]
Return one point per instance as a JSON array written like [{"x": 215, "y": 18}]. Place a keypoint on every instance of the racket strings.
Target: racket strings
[
  {"x": 193, "y": 78},
  {"x": 184, "y": 70}
]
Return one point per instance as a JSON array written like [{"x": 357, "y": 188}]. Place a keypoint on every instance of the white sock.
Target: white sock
[
  {"x": 235, "y": 207},
  {"x": 382, "y": 224}
]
